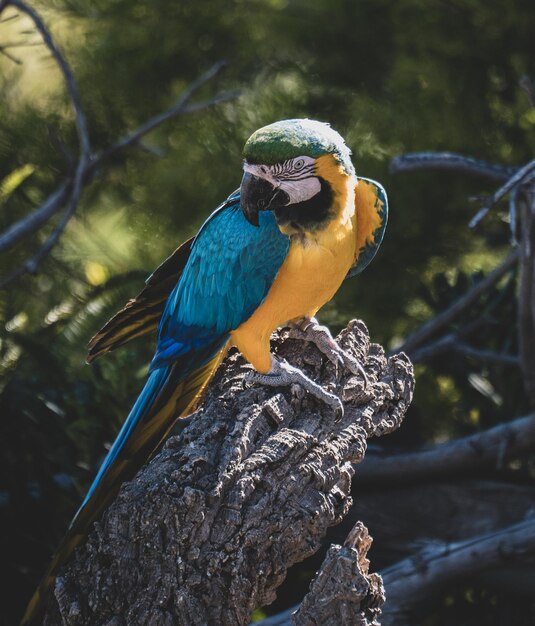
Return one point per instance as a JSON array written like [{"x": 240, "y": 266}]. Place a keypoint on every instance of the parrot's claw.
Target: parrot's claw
[
  {"x": 283, "y": 374},
  {"x": 310, "y": 329}
]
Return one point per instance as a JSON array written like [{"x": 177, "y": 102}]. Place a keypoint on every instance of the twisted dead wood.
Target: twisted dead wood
[
  {"x": 343, "y": 592},
  {"x": 206, "y": 532}
]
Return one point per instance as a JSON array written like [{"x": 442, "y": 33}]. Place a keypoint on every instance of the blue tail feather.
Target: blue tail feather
[{"x": 155, "y": 383}]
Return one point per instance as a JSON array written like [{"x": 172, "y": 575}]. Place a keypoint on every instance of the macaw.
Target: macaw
[{"x": 273, "y": 253}]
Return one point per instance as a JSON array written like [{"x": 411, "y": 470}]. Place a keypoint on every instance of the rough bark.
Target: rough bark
[
  {"x": 343, "y": 592},
  {"x": 206, "y": 532}
]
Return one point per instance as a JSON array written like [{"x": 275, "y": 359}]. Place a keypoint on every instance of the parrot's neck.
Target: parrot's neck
[{"x": 342, "y": 186}]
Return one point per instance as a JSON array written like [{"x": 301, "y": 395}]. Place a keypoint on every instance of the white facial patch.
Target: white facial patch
[
  {"x": 301, "y": 190},
  {"x": 295, "y": 177}
]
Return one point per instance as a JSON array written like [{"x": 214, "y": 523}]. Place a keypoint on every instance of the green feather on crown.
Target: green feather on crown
[{"x": 288, "y": 139}]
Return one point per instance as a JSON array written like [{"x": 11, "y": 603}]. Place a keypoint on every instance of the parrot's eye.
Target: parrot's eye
[{"x": 299, "y": 164}]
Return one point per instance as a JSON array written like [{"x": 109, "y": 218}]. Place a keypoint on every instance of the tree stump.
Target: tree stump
[{"x": 206, "y": 531}]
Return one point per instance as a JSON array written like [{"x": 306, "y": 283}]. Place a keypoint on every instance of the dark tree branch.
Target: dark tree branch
[
  {"x": 205, "y": 532},
  {"x": 523, "y": 174},
  {"x": 489, "y": 448},
  {"x": 36, "y": 219},
  {"x": 450, "y": 162},
  {"x": 70, "y": 83},
  {"x": 452, "y": 343},
  {"x": 31, "y": 265},
  {"x": 9, "y": 18},
  {"x": 514, "y": 176},
  {"x": 75, "y": 187},
  {"x": 487, "y": 356},
  {"x": 513, "y": 214},
  {"x": 54, "y": 202},
  {"x": 526, "y": 295},
  {"x": 10, "y": 56},
  {"x": 420, "y": 336},
  {"x": 179, "y": 107},
  {"x": 67, "y": 195},
  {"x": 22, "y": 44},
  {"x": 412, "y": 581},
  {"x": 444, "y": 510},
  {"x": 518, "y": 178}
]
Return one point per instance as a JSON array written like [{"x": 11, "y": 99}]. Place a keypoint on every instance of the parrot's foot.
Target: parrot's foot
[
  {"x": 283, "y": 374},
  {"x": 310, "y": 329}
]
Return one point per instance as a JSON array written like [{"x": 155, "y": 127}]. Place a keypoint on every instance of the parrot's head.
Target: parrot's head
[{"x": 294, "y": 168}]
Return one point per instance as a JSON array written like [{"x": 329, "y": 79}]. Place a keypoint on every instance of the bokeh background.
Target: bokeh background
[{"x": 391, "y": 77}]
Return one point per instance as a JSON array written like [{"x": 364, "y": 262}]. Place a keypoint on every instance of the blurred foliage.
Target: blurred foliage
[{"x": 391, "y": 77}]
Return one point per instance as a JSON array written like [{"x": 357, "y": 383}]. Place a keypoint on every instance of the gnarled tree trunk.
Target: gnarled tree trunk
[{"x": 207, "y": 530}]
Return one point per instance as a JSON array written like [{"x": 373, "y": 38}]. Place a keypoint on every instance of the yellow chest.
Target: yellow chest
[{"x": 311, "y": 274}]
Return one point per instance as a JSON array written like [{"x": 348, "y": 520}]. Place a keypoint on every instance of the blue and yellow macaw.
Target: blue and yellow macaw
[{"x": 273, "y": 253}]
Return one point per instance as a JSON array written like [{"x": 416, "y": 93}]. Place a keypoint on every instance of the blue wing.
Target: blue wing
[{"x": 229, "y": 272}]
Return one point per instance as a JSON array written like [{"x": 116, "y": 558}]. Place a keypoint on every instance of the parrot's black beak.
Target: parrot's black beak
[{"x": 258, "y": 194}]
